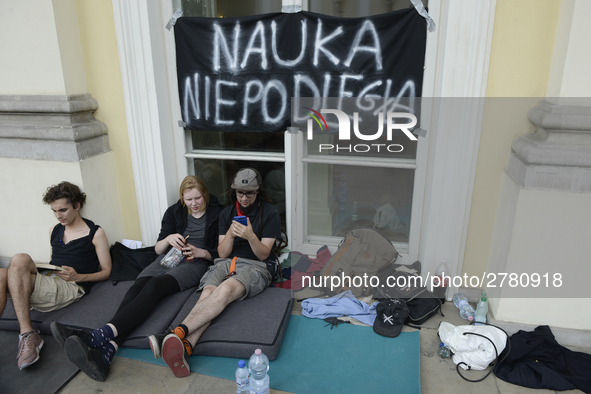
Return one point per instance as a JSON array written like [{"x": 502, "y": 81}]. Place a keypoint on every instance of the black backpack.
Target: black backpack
[
  {"x": 407, "y": 285},
  {"x": 128, "y": 263}
]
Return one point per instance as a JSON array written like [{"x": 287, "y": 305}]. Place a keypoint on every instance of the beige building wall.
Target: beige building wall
[
  {"x": 47, "y": 132},
  {"x": 521, "y": 54},
  {"x": 55, "y": 66},
  {"x": 101, "y": 61}
]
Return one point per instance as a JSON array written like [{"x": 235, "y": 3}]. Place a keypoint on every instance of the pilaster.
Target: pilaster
[{"x": 54, "y": 128}]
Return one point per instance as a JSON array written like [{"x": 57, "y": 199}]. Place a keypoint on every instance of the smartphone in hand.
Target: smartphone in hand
[{"x": 240, "y": 219}]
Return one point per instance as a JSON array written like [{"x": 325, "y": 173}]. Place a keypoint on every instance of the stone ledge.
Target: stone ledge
[
  {"x": 58, "y": 128},
  {"x": 53, "y": 150},
  {"x": 47, "y": 104},
  {"x": 48, "y": 132},
  {"x": 556, "y": 117},
  {"x": 557, "y": 156},
  {"x": 544, "y": 177}
]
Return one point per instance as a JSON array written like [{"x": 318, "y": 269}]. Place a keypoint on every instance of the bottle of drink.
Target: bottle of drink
[
  {"x": 258, "y": 366},
  {"x": 444, "y": 351},
  {"x": 241, "y": 378},
  {"x": 461, "y": 302},
  {"x": 481, "y": 311},
  {"x": 354, "y": 215},
  {"x": 443, "y": 281}
]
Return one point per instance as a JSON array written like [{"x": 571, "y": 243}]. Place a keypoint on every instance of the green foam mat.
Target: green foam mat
[{"x": 317, "y": 359}]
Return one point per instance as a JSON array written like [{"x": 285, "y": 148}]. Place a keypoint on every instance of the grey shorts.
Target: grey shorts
[
  {"x": 187, "y": 274},
  {"x": 253, "y": 274}
]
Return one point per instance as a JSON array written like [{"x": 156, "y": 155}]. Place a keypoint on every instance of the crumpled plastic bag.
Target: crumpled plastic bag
[
  {"x": 476, "y": 352},
  {"x": 386, "y": 217},
  {"x": 172, "y": 258}
]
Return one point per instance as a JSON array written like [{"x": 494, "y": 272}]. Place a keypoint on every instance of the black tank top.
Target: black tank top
[{"x": 79, "y": 253}]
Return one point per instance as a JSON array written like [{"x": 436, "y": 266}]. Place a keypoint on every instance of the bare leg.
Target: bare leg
[
  {"x": 3, "y": 288},
  {"x": 21, "y": 282},
  {"x": 209, "y": 307}
]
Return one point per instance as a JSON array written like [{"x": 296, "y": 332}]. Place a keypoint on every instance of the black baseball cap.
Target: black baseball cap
[{"x": 391, "y": 314}]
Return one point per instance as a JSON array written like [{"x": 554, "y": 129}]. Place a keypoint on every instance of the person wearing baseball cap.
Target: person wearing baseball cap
[{"x": 248, "y": 229}]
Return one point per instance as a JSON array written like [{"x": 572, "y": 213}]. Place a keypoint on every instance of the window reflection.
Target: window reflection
[
  {"x": 343, "y": 197},
  {"x": 218, "y": 176}
]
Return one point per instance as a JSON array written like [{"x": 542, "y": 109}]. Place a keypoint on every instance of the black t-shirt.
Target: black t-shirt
[
  {"x": 79, "y": 253},
  {"x": 271, "y": 227}
]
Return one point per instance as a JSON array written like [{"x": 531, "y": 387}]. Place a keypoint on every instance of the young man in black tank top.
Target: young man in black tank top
[{"x": 78, "y": 246}]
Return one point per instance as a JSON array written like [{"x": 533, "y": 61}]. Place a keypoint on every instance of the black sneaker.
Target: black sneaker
[
  {"x": 62, "y": 332},
  {"x": 88, "y": 360},
  {"x": 156, "y": 343}
]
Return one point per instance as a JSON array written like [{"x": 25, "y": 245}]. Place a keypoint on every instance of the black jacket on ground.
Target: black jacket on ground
[
  {"x": 536, "y": 360},
  {"x": 176, "y": 217}
]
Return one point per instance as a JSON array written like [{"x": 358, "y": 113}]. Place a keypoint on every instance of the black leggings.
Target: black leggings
[{"x": 139, "y": 301}]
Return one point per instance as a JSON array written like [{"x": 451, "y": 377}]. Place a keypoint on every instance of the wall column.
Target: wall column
[
  {"x": 543, "y": 219},
  {"x": 48, "y": 132}
]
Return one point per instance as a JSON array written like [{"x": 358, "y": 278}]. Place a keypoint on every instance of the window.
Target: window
[
  {"x": 217, "y": 156},
  {"x": 342, "y": 197},
  {"x": 320, "y": 194},
  {"x": 153, "y": 126}
]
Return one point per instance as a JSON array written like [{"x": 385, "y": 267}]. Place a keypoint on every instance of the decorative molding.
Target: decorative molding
[
  {"x": 557, "y": 156},
  {"x": 546, "y": 177},
  {"x": 48, "y": 103},
  {"x": 134, "y": 41},
  {"x": 56, "y": 128},
  {"x": 464, "y": 37}
]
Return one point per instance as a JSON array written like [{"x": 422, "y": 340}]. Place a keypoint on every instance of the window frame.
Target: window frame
[{"x": 458, "y": 54}]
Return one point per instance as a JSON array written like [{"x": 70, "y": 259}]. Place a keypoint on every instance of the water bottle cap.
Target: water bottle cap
[
  {"x": 470, "y": 318},
  {"x": 241, "y": 364},
  {"x": 258, "y": 352},
  {"x": 483, "y": 299}
]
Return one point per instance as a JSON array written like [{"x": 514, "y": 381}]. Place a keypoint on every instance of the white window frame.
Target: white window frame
[{"x": 458, "y": 52}]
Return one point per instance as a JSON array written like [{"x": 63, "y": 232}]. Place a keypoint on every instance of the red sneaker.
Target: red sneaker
[{"x": 175, "y": 356}]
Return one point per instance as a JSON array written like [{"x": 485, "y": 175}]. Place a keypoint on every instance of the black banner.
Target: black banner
[{"x": 239, "y": 74}]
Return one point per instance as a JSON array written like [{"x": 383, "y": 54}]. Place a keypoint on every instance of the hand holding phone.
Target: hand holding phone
[
  {"x": 241, "y": 220},
  {"x": 187, "y": 249}
]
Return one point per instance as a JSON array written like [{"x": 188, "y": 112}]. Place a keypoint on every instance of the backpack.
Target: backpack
[
  {"x": 128, "y": 263},
  {"x": 273, "y": 263},
  {"x": 422, "y": 303},
  {"x": 361, "y": 254}
]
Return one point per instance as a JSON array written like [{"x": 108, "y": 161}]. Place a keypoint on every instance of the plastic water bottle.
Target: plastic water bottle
[
  {"x": 241, "y": 378},
  {"x": 444, "y": 351},
  {"x": 258, "y": 366},
  {"x": 461, "y": 302},
  {"x": 481, "y": 311}
]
